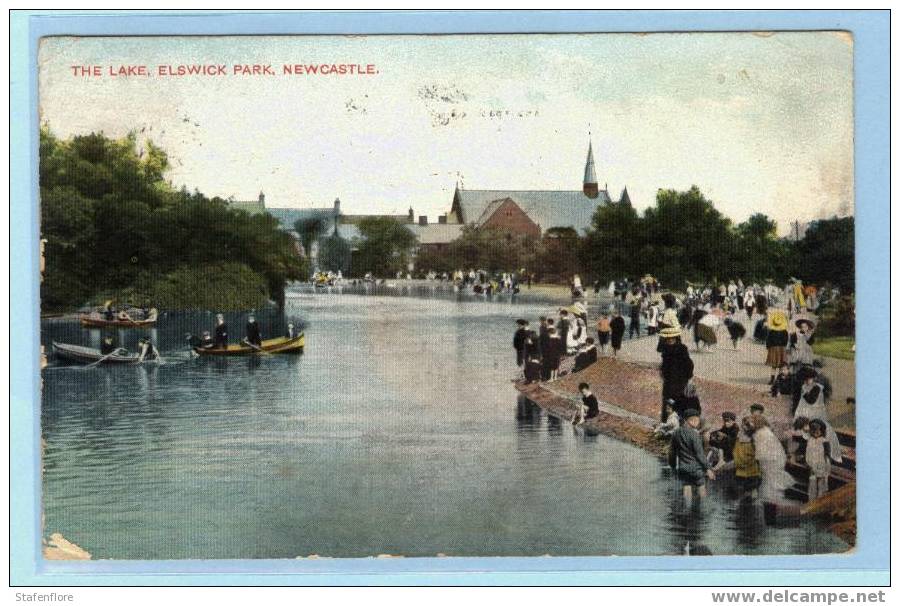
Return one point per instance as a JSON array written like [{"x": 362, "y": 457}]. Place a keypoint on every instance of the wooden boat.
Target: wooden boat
[
  {"x": 89, "y": 355},
  {"x": 89, "y": 322},
  {"x": 280, "y": 345}
]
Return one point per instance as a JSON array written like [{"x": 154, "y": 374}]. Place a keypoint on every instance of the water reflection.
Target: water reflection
[{"x": 395, "y": 432}]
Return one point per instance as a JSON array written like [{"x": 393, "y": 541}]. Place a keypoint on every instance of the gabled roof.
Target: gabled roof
[
  {"x": 288, "y": 216},
  {"x": 546, "y": 208},
  {"x": 625, "y": 198},
  {"x": 490, "y": 209},
  {"x": 436, "y": 233}
]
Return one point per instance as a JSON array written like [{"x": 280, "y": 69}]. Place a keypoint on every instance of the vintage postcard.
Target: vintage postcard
[{"x": 447, "y": 296}]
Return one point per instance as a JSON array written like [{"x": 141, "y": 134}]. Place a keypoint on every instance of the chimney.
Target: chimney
[
  {"x": 262, "y": 199},
  {"x": 423, "y": 220},
  {"x": 442, "y": 219}
]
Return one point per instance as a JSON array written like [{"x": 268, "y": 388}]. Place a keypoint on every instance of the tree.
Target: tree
[
  {"x": 308, "y": 230},
  {"x": 826, "y": 253},
  {"x": 386, "y": 246},
  {"x": 759, "y": 254},
  {"x": 334, "y": 254},
  {"x": 686, "y": 238},
  {"x": 610, "y": 249},
  {"x": 113, "y": 224}
]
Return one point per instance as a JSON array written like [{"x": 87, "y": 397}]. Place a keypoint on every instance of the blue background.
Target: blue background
[{"x": 867, "y": 565}]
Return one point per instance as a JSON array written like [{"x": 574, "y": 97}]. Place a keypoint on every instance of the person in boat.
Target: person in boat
[
  {"x": 108, "y": 311},
  {"x": 206, "y": 341},
  {"x": 146, "y": 350},
  {"x": 151, "y": 315},
  {"x": 221, "y": 340},
  {"x": 107, "y": 345},
  {"x": 290, "y": 333},
  {"x": 253, "y": 337},
  {"x": 123, "y": 316}
]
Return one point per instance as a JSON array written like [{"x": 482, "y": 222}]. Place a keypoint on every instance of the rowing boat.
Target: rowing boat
[
  {"x": 89, "y": 355},
  {"x": 280, "y": 345},
  {"x": 88, "y": 322}
]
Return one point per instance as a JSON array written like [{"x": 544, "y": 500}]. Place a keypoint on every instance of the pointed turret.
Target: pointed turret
[
  {"x": 625, "y": 198},
  {"x": 590, "y": 188}
]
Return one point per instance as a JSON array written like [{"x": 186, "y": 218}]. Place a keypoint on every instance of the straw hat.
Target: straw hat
[
  {"x": 778, "y": 321},
  {"x": 806, "y": 321}
]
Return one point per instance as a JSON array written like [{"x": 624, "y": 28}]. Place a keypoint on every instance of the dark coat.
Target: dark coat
[
  {"x": 725, "y": 438},
  {"x": 676, "y": 369},
  {"x": 253, "y": 335},
  {"x": 554, "y": 353},
  {"x": 777, "y": 338},
  {"x": 686, "y": 451},
  {"x": 593, "y": 407},
  {"x": 221, "y": 333},
  {"x": 519, "y": 345},
  {"x": 585, "y": 359},
  {"x": 617, "y": 331}
]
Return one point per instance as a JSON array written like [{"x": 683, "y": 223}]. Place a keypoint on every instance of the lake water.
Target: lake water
[{"x": 398, "y": 431}]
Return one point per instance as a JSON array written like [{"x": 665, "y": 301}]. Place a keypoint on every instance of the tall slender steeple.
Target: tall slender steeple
[{"x": 590, "y": 188}]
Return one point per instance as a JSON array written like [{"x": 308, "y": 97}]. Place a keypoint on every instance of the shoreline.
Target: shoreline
[{"x": 622, "y": 389}]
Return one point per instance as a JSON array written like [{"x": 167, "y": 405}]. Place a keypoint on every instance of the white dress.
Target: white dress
[
  {"x": 817, "y": 410},
  {"x": 802, "y": 352},
  {"x": 771, "y": 457}
]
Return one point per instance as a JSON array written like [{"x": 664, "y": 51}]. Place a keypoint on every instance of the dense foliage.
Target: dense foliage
[
  {"x": 114, "y": 226},
  {"x": 684, "y": 238},
  {"x": 385, "y": 249}
]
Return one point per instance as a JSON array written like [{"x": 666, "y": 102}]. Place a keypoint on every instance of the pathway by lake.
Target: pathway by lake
[{"x": 398, "y": 431}]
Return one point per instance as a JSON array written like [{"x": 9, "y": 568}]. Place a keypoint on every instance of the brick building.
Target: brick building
[{"x": 533, "y": 212}]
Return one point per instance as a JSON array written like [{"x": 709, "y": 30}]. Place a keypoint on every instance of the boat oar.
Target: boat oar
[
  {"x": 103, "y": 359},
  {"x": 256, "y": 347}
]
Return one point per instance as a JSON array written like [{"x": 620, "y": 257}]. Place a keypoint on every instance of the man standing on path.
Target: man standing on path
[
  {"x": 634, "y": 326},
  {"x": 688, "y": 457},
  {"x": 519, "y": 341}
]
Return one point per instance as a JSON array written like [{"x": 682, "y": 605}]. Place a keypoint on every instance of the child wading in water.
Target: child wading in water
[
  {"x": 688, "y": 456},
  {"x": 818, "y": 457},
  {"x": 746, "y": 467}
]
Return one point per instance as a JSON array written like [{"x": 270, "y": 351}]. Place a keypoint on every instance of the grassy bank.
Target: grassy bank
[{"x": 834, "y": 347}]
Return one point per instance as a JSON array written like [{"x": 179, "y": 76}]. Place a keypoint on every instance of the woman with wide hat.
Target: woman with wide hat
[
  {"x": 676, "y": 369},
  {"x": 776, "y": 342}
]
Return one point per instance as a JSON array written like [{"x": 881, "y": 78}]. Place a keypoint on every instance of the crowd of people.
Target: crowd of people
[{"x": 751, "y": 445}]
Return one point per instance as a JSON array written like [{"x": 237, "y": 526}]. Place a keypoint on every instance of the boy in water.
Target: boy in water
[{"x": 688, "y": 456}]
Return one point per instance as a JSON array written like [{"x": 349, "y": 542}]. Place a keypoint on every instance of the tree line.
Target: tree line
[
  {"x": 682, "y": 238},
  {"x": 115, "y": 228}
]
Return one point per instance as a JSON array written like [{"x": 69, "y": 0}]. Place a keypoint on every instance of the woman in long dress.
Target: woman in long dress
[
  {"x": 772, "y": 459},
  {"x": 801, "y": 350},
  {"x": 812, "y": 406}
]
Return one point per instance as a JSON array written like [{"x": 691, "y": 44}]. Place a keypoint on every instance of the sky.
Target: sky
[{"x": 760, "y": 122}]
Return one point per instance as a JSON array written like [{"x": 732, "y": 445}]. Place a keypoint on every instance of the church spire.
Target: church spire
[{"x": 590, "y": 188}]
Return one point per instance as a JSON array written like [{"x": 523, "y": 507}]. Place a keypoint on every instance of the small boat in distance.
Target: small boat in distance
[
  {"x": 280, "y": 345},
  {"x": 89, "y": 355}
]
